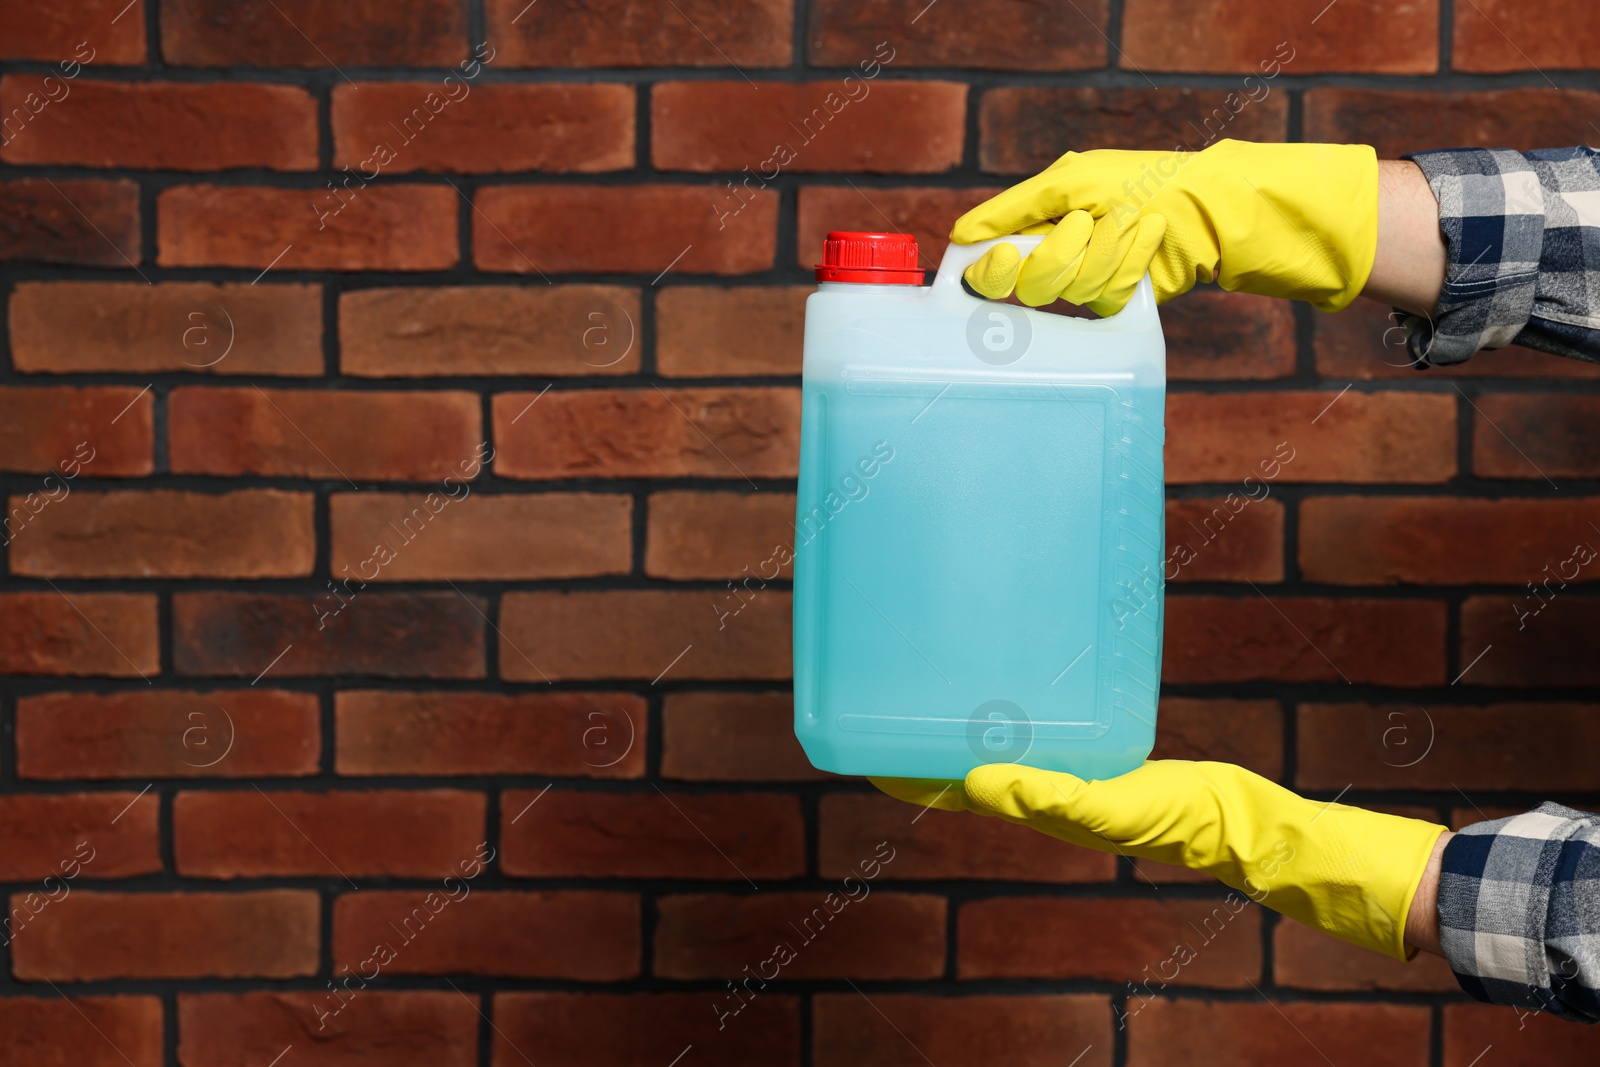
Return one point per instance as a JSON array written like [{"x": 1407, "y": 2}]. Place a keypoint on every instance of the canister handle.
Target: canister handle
[{"x": 1141, "y": 307}]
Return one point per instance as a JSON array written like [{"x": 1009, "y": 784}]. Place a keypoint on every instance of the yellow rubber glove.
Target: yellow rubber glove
[
  {"x": 1342, "y": 870},
  {"x": 1298, "y": 221}
]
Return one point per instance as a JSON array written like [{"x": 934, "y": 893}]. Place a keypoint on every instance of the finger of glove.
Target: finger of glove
[
  {"x": 1125, "y": 279},
  {"x": 1109, "y": 245},
  {"x": 994, "y": 275},
  {"x": 1048, "y": 195},
  {"x": 1050, "y": 268},
  {"x": 1077, "y": 181},
  {"x": 925, "y": 792}
]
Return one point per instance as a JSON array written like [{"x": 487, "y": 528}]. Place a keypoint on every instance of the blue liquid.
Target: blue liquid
[{"x": 992, "y": 591}]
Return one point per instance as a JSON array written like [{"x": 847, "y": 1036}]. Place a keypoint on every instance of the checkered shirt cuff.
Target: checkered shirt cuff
[{"x": 1519, "y": 911}]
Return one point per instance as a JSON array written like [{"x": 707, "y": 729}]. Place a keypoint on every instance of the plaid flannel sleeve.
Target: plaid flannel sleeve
[
  {"x": 1519, "y": 911},
  {"x": 1523, "y": 237}
]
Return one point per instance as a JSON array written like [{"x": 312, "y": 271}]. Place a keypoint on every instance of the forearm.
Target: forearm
[
  {"x": 1408, "y": 269},
  {"x": 1422, "y": 921},
  {"x": 1515, "y": 239}
]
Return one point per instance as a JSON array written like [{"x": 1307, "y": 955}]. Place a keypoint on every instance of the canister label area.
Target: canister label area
[{"x": 999, "y": 334}]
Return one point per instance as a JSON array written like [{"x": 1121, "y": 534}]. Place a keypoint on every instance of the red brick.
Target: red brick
[
  {"x": 1544, "y": 649},
  {"x": 1023, "y": 130},
  {"x": 734, "y": 433},
  {"x": 1396, "y": 122},
  {"x": 106, "y": 430},
  {"x": 1014, "y": 37},
  {"x": 475, "y": 536},
  {"x": 1214, "y": 335},
  {"x": 1534, "y": 435},
  {"x": 1358, "y": 437},
  {"x": 1235, "y": 538},
  {"x": 380, "y": 1029},
  {"x": 1208, "y": 942},
  {"x": 888, "y": 127},
  {"x": 1405, "y": 746},
  {"x": 584, "y": 735},
  {"x": 482, "y": 129},
  {"x": 707, "y": 331},
  {"x": 926, "y": 214},
  {"x": 880, "y": 935},
  {"x": 516, "y": 330},
  {"x": 1245, "y": 732},
  {"x": 1364, "y": 342},
  {"x": 82, "y": 1031},
  {"x": 304, "y": 33},
  {"x": 90, "y": 31},
  {"x": 1351, "y": 540},
  {"x": 461, "y": 929},
  {"x": 1166, "y": 1033},
  {"x": 381, "y": 227},
  {"x": 82, "y": 222},
  {"x": 72, "y": 835},
  {"x": 1302, "y": 639},
  {"x": 84, "y": 937},
  {"x": 904, "y": 1030},
  {"x": 79, "y": 633},
  {"x": 583, "y": 1029},
  {"x": 1304, "y": 958},
  {"x": 616, "y": 33},
  {"x": 1265, "y": 37},
  {"x": 160, "y": 125},
  {"x": 153, "y": 733},
  {"x": 385, "y": 635},
  {"x": 191, "y": 327},
  {"x": 687, "y": 229},
  {"x": 571, "y": 834},
  {"x": 1519, "y": 1033},
  {"x": 732, "y": 737},
  {"x": 1492, "y": 36},
  {"x": 719, "y": 535},
  {"x": 168, "y": 533},
  {"x": 653, "y": 634},
  {"x": 1156, "y": 874},
  {"x": 1464, "y": 817},
  {"x": 402, "y": 833},
  {"x": 946, "y": 845},
  {"x": 325, "y": 434}
]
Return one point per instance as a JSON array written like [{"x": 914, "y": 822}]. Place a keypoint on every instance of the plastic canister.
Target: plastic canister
[{"x": 978, "y": 560}]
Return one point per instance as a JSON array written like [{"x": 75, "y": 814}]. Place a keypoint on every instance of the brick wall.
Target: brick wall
[{"x": 384, "y": 419}]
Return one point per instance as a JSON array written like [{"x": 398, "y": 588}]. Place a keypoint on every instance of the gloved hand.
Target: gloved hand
[
  {"x": 1288, "y": 220},
  {"x": 1342, "y": 870}
]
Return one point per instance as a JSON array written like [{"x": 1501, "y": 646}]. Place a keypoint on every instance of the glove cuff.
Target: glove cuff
[
  {"x": 1360, "y": 244},
  {"x": 1305, "y": 225},
  {"x": 1370, "y": 865}
]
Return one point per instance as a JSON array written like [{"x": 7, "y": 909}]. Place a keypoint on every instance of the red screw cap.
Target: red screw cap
[{"x": 876, "y": 258}]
